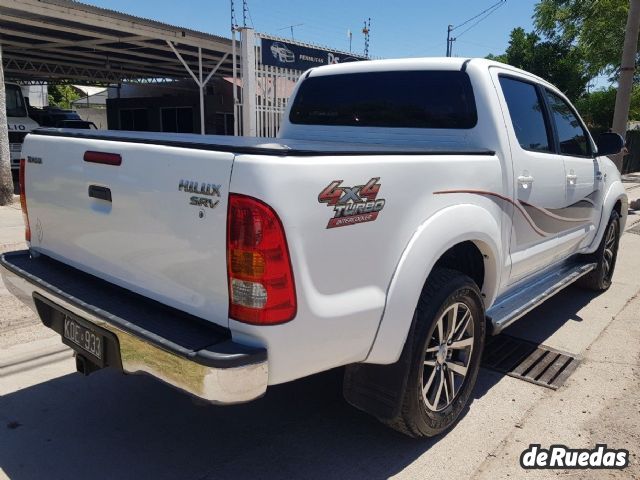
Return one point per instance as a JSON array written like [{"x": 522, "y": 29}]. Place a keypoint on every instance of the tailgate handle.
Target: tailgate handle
[{"x": 101, "y": 193}]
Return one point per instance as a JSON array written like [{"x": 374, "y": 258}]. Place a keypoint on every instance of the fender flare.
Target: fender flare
[
  {"x": 436, "y": 235},
  {"x": 615, "y": 192}
]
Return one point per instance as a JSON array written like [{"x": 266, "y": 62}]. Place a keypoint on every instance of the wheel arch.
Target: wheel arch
[
  {"x": 615, "y": 199},
  {"x": 465, "y": 228}
]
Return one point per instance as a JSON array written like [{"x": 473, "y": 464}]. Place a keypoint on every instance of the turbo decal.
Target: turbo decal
[{"x": 352, "y": 205}]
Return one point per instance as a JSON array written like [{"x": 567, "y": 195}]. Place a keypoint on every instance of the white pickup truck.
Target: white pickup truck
[{"x": 407, "y": 209}]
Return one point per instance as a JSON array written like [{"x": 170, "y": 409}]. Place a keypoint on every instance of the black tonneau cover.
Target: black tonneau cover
[{"x": 257, "y": 145}]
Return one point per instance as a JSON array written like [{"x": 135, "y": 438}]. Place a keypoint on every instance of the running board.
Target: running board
[{"x": 524, "y": 300}]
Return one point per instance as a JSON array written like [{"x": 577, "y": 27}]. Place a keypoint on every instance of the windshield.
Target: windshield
[{"x": 15, "y": 102}]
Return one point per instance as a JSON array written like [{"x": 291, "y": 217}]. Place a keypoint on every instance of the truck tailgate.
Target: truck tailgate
[{"x": 155, "y": 224}]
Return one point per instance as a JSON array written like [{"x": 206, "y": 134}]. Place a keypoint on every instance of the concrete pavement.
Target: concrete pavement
[{"x": 55, "y": 423}]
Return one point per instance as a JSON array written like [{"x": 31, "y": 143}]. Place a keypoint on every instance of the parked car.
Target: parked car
[
  {"x": 387, "y": 230},
  {"x": 80, "y": 124},
  {"x": 59, "y": 118}
]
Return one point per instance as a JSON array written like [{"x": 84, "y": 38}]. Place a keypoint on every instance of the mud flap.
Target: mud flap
[{"x": 379, "y": 389}]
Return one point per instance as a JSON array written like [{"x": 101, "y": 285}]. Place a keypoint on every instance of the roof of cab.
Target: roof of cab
[{"x": 422, "y": 63}]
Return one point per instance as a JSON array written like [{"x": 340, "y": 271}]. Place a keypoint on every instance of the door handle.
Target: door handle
[
  {"x": 525, "y": 180},
  {"x": 572, "y": 178}
]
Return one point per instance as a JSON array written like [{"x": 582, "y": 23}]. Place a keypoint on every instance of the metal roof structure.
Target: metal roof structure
[{"x": 63, "y": 41}]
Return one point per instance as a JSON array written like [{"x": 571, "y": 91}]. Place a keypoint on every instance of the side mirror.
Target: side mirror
[{"x": 609, "y": 143}]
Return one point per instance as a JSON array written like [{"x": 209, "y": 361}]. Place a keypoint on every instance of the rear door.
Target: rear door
[
  {"x": 155, "y": 223},
  {"x": 539, "y": 176},
  {"x": 583, "y": 184}
]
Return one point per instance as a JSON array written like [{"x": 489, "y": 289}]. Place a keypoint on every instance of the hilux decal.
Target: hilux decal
[
  {"x": 543, "y": 221},
  {"x": 208, "y": 194},
  {"x": 352, "y": 205}
]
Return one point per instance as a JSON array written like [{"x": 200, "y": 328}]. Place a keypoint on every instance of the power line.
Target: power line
[
  {"x": 479, "y": 18},
  {"x": 476, "y": 16}
]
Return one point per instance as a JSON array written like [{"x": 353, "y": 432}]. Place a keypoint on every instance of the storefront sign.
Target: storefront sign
[{"x": 297, "y": 57}]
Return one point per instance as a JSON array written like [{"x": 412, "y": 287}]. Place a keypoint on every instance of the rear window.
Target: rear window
[{"x": 407, "y": 99}]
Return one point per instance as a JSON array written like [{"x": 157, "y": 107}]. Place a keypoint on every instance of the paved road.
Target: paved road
[{"x": 55, "y": 423}]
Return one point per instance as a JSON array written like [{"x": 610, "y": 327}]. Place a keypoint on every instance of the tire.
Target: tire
[
  {"x": 605, "y": 257},
  {"x": 445, "y": 292}
]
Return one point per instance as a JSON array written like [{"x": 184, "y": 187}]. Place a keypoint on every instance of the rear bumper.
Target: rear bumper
[{"x": 186, "y": 352}]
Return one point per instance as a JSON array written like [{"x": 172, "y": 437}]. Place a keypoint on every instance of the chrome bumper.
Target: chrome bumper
[{"x": 229, "y": 374}]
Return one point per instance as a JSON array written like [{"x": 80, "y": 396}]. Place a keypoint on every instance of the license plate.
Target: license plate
[{"x": 89, "y": 341}]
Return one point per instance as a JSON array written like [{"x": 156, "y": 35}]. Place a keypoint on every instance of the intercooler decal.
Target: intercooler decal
[
  {"x": 352, "y": 205},
  {"x": 543, "y": 221}
]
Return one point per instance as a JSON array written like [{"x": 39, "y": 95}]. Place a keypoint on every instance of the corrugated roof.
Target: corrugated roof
[{"x": 128, "y": 17}]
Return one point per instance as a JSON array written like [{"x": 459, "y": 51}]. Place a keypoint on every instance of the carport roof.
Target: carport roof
[{"x": 66, "y": 41}]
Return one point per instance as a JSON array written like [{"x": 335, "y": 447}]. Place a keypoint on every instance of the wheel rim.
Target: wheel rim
[
  {"x": 609, "y": 254},
  {"x": 447, "y": 357}
]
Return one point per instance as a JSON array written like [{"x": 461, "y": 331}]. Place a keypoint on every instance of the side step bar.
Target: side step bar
[{"x": 521, "y": 302}]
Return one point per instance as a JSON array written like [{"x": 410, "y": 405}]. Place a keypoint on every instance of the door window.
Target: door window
[
  {"x": 572, "y": 137},
  {"x": 527, "y": 117}
]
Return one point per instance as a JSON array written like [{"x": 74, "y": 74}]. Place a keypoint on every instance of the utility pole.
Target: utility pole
[
  {"x": 449, "y": 40},
  {"x": 6, "y": 180},
  {"x": 625, "y": 79}
]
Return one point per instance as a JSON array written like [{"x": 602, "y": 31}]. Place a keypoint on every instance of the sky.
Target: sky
[{"x": 400, "y": 28}]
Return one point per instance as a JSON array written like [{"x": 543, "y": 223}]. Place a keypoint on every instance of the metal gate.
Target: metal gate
[
  {"x": 261, "y": 92},
  {"x": 266, "y": 88},
  {"x": 274, "y": 86}
]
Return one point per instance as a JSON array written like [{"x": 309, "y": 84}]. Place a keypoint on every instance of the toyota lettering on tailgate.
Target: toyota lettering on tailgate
[{"x": 352, "y": 205}]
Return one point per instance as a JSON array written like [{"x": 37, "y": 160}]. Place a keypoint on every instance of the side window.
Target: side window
[
  {"x": 526, "y": 114},
  {"x": 572, "y": 137}
]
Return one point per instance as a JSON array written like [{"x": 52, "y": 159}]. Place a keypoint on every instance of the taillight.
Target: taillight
[
  {"x": 261, "y": 285},
  {"x": 23, "y": 202}
]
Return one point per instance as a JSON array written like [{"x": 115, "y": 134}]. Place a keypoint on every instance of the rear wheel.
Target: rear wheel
[
  {"x": 446, "y": 350},
  {"x": 605, "y": 257}
]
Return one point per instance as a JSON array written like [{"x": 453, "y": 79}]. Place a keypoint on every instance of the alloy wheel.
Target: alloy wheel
[
  {"x": 447, "y": 357},
  {"x": 610, "y": 248}
]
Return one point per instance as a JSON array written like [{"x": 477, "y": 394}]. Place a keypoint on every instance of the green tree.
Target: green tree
[
  {"x": 595, "y": 27},
  {"x": 596, "y": 108},
  {"x": 557, "y": 62},
  {"x": 62, "y": 95}
]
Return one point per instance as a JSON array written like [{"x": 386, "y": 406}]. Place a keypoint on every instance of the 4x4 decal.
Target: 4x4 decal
[{"x": 352, "y": 205}]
